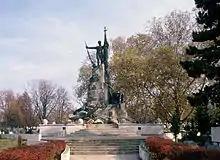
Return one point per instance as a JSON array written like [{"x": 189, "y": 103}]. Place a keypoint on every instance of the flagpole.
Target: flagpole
[{"x": 89, "y": 55}]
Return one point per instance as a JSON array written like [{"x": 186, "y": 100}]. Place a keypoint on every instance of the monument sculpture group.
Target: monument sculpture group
[
  {"x": 104, "y": 105},
  {"x": 102, "y": 101}
]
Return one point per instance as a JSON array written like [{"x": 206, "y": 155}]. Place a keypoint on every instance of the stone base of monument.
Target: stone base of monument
[
  {"x": 113, "y": 113},
  {"x": 108, "y": 138},
  {"x": 128, "y": 129},
  {"x": 59, "y": 130}
]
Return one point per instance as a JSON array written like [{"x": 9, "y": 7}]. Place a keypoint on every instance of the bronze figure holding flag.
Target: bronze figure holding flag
[{"x": 101, "y": 54}]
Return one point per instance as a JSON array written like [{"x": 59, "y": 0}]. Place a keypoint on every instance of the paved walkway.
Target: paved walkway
[{"x": 105, "y": 157}]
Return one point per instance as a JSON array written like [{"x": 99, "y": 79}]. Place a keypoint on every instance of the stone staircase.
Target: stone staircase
[
  {"x": 111, "y": 146},
  {"x": 103, "y": 130},
  {"x": 104, "y": 139}
]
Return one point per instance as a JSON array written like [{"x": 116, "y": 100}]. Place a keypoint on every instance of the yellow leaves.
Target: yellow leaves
[{"x": 159, "y": 70}]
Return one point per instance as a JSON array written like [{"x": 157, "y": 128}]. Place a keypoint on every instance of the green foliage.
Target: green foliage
[
  {"x": 80, "y": 90},
  {"x": 7, "y": 143},
  {"x": 152, "y": 80},
  {"x": 175, "y": 122},
  {"x": 203, "y": 120},
  {"x": 205, "y": 60},
  {"x": 146, "y": 68}
]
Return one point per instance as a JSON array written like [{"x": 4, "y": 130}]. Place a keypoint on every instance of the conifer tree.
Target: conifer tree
[{"x": 205, "y": 60}]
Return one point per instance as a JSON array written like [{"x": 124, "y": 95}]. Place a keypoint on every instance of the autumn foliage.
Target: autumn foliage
[
  {"x": 165, "y": 148},
  {"x": 50, "y": 150}
]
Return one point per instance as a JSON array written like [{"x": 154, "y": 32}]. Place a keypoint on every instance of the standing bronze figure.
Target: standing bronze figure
[
  {"x": 99, "y": 52},
  {"x": 102, "y": 53}
]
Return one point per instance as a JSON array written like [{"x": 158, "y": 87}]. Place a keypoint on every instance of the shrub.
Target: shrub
[
  {"x": 198, "y": 154},
  {"x": 159, "y": 147},
  {"x": 165, "y": 148},
  {"x": 50, "y": 150}
]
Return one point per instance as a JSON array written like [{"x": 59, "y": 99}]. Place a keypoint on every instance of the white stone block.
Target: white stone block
[
  {"x": 144, "y": 155},
  {"x": 143, "y": 129},
  {"x": 31, "y": 138},
  {"x": 66, "y": 154},
  {"x": 57, "y": 129},
  {"x": 215, "y": 134}
]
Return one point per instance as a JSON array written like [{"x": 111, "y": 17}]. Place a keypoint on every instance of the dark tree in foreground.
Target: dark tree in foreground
[
  {"x": 203, "y": 120},
  {"x": 205, "y": 60}
]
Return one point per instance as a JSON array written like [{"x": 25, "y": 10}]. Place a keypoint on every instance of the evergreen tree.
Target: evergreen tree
[
  {"x": 202, "y": 120},
  {"x": 205, "y": 60},
  {"x": 175, "y": 124}
]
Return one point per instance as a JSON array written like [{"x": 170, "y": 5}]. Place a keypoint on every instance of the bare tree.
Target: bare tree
[
  {"x": 43, "y": 95},
  {"x": 62, "y": 104},
  {"x": 50, "y": 101},
  {"x": 25, "y": 105},
  {"x": 11, "y": 112},
  {"x": 175, "y": 29},
  {"x": 5, "y": 97}
]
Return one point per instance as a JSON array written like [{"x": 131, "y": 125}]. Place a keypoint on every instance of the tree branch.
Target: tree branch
[{"x": 161, "y": 103}]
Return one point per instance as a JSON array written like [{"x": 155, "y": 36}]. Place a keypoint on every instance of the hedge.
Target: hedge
[
  {"x": 165, "y": 148},
  {"x": 50, "y": 150}
]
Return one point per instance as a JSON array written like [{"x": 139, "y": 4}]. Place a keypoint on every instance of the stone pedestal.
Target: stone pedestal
[
  {"x": 118, "y": 114},
  {"x": 113, "y": 115},
  {"x": 98, "y": 89},
  {"x": 123, "y": 114},
  {"x": 104, "y": 86}
]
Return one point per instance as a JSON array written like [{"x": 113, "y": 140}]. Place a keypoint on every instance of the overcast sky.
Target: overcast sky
[{"x": 44, "y": 39}]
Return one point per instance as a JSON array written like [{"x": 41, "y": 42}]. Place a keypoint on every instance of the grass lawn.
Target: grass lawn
[{"x": 7, "y": 143}]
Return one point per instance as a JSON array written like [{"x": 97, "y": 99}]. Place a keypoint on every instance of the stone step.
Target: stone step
[
  {"x": 103, "y": 147},
  {"x": 103, "y": 135},
  {"x": 110, "y": 131},
  {"x": 112, "y": 152},
  {"x": 106, "y": 130},
  {"x": 107, "y": 139},
  {"x": 99, "y": 141},
  {"x": 113, "y": 139},
  {"x": 104, "y": 144},
  {"x": 119, "y": 145},
  {"x": 109, "y": 149},
  {"x": 106, "y": 157},
  {"x": 102, "y": 126}
]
